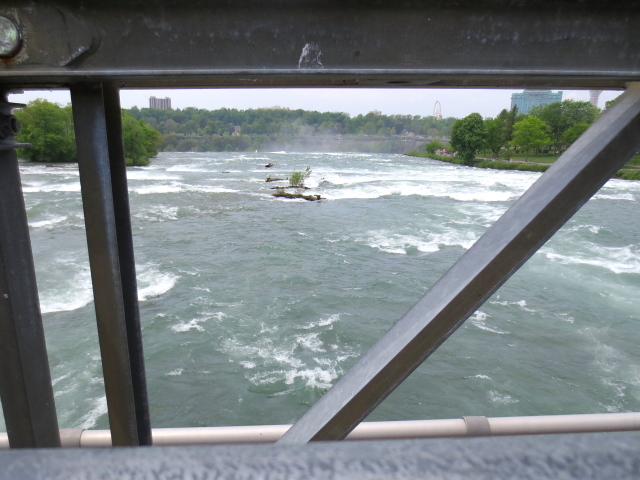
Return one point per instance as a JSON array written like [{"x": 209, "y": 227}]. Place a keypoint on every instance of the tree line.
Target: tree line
[
  {"x": 209, "y": 130},
  {"x": 548, "y": 128},
  {"x": 48, "y": 127}
]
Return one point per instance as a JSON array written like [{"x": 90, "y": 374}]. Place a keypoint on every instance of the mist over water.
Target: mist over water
[{"x": 252, "y": 306}]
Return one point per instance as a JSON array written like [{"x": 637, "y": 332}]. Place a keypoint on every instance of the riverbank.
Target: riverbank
[{"x": 523, "y": 166}]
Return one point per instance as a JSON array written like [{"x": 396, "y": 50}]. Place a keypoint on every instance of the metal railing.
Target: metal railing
[{"x": 476, "y": 426}]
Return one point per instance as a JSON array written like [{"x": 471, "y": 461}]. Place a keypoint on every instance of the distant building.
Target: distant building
[
  {"x": 594, "y": 96},
  {"x": 161, "y": 103},
  {"x": 375, "y": 112},
  {"x": 531, "y": 98}
]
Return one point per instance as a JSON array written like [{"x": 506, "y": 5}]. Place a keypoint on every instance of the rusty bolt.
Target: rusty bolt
[{"x": 10, "y": 39}]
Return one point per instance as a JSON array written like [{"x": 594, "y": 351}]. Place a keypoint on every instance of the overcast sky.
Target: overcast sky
[{"x": 455, "y": 102}]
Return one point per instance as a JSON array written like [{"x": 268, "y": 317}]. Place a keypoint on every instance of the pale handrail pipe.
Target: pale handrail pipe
[{"x": 457, "y": 427}]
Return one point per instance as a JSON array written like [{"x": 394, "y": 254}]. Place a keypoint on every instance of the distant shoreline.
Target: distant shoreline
[{"x": 527, "y": 167}]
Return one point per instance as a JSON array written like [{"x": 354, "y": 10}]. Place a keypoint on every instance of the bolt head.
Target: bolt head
[{"x": 10, "y": 38}]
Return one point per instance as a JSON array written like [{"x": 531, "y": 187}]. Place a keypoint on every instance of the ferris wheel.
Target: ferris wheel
[{"x": 437, "y": 110}]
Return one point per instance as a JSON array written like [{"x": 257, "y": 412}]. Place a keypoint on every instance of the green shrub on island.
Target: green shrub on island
[
  {"x": 297, "y": 178},
  {"x": 48, "y": 127}
]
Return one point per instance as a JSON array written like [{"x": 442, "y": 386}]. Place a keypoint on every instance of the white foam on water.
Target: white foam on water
[
  {"x": 60, "y": 378},
  {"x": 479, "y": 318},
  {"x": 620, "y": 371},
  {"x": 157, "y": 213},
  {"x": 175, "y": 373},
  {"x": 483, "y": 196},
  {"x": 179, "y": 188},
  {"x": 579, "y": 228},
  {"x": 614, "y": 196},
  {"x": 321, "y": 323},
  {"x": 521, "y": 303},
  {"x": 53, "y": 187},
  {"x": 267, "y": 378},
  {"x": 192, "y": 168},
  {"x": 68, "y": 295},
  {"x": 248, "y": 365},
  {"x": 49, "y": 222},
  {"x": 502, "y": 399},
  {"x": 62, "y": 170},
  {"x": 153, "y": 283},
  {"x": 615, "y": 259},
  {"x": 313, "y": 378},
  {"x": 149, "y": 175},
  {"x": 90, "y": 419},
  {"x": 190, "y": 325},
  {"x": 565, "y": 317},
  {"x": 311, "y": 342},
  {"x": 156, "y": 189},
  {"x": 482, "y": 377},
  {"x": 265, "y": 350},
  {"x": 388, "y": 242},
  {"x": 265, "y": 329}
]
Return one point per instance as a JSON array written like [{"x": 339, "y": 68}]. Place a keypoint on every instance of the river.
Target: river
[{"x": 253, "y": 306}]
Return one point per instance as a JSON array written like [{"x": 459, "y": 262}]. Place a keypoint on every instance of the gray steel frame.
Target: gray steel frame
[
  {"x": 79, "y": 44},
  {"x": 25, "y": 382},
  {"x": 102, "y": 239}
]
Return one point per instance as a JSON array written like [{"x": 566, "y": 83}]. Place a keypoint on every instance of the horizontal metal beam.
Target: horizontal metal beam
[
  {"x": 559, "y": 193},
  {"x": 437, "y": 43},
  {"x": 610, "y": 456},
  {"x": 456, "y": 427}
]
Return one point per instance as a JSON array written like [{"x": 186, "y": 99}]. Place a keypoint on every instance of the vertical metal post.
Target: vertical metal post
[
  {"x": 100, "y": 222},
  {"x": 113, "y": 116},
  {"x": 25, "y": 380}
]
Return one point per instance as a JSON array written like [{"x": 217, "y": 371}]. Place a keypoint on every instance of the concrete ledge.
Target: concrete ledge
[{"x": 558, "y": 457}]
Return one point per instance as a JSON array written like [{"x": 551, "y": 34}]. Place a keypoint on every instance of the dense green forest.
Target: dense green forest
[
  {"x": 48, "y": 127},
  {"x": 260, "y": 129},
  {"x": 546, "y": 129},
  {"x": 542, "y": 136}
]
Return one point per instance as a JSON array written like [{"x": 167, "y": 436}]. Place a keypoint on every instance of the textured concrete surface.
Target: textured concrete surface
[{"x": 559, "y": 457}]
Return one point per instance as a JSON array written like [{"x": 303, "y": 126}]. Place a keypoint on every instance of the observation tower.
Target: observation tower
[{"x": 594, "y": 95}]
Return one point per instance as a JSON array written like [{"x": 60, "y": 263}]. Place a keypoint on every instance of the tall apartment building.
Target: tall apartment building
[
  {"x": 531, "y": 98},
  {"x": 161, "y": 103}
]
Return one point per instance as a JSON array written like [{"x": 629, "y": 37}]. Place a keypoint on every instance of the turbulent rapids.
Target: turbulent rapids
[{"x": 252, "y": 306}]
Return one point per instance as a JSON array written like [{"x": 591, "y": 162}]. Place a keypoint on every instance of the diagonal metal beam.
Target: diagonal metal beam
[
  {"x": 559, "y": 193},
  {"x": 97, "y": 200}
]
